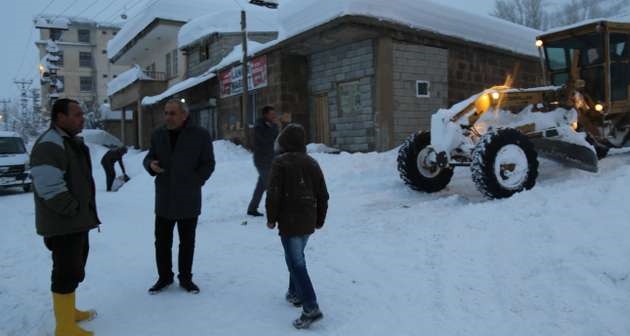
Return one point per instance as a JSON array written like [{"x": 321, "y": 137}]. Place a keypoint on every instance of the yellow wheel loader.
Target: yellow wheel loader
[{"x": 582, "y": 112}]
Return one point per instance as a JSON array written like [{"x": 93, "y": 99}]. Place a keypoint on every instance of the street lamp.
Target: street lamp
[{"x": 273, "y": 4}]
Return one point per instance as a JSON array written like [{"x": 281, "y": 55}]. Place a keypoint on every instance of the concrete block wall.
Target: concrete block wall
[
  {"x": 349, "y": 63},
  {"x": 412, "y": 62}
]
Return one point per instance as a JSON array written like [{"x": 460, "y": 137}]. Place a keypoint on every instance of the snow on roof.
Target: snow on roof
[
  {"x": 302, "y": 15},
  {"x": 125, "y": 79},
  {"x": 178, "y": 87},
  {"x": 51, "y": 22},
  {"x": 175, "y": 10},
  {"x": 227, "y": 21},
  {"x": 63, "y": 21},
  {"x": 616, "y": 19}
]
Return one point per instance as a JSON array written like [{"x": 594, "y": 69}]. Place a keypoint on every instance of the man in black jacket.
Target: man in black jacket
[
  {"x": 182, "y": 159},
  {"x": 265, "y": 134},
  {"x": 108, "y": 161},
  {"x": 297, "y": 199}
]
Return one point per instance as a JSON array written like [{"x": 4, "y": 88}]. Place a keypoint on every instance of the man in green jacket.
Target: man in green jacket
[{"x": 65, "y": 209}]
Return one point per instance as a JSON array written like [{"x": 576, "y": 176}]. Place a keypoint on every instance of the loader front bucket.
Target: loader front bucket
[{"x": 574, "y": 155}]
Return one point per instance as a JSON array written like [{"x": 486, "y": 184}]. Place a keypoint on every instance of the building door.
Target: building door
[{"x": 322, "y": 127}]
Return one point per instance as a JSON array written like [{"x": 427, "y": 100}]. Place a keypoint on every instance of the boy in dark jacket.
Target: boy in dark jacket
[{"x": 297, "y": 199}]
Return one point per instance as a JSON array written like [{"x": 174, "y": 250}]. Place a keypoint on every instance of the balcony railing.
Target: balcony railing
[{"x": 156, "y": 75}]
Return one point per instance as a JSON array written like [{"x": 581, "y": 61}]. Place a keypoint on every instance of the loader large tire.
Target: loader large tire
[
  {"x": 600, "y": 149},
  {"x": 504, "y": 162},
  {"x": 418, "y": 177}
]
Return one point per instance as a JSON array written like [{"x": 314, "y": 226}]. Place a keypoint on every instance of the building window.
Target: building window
[
  {"x": 85, "y": 59},
  {"x": 55, "y": 34},
  {"x": 105, "y": 76},
  {"x": 349, "y": 97},
  {"x": 86, "y": 84},
  {"x": 204, "y": 52},
  {"x": 60, "y": 62},
  {"x": 175, "y": 62},
  {"x": 104, "y": 51},
  {"x": 105, "y": 101},
  {"x": 115, "y": 76},
  {"x": 114, "y": 33},
  {"x": 84, "y": 36},
  {"x": 104, "y": 32},
  {"x": 62, "y": 82},
  {"x": 168, "y": 65},
  {"x": 423, "y": 89}
]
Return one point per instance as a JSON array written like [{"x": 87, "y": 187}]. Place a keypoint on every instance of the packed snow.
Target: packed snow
[{"x": 554, "y": 260}]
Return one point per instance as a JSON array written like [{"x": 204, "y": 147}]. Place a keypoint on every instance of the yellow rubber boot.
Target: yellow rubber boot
[
  {"x": 84, "y": 315},
  {"x": 63, "y": 305}
]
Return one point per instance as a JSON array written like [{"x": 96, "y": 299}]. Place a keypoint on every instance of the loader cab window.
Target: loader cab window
[
  {"x": 587, "y": 51},
  {"x": 619, "y": 66}
]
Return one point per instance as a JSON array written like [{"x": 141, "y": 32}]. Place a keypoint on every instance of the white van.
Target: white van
[{"x": 14, "y": 166}]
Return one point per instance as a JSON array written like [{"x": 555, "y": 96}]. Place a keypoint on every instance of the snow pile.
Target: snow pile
[
  {"x": 125, "y": 79},
  {"x": 389, "y": 261},
  {"x": 321, "y": 148},
  {"x": 228, "y": 21},
  {"x": 182, "y": 11},
  {"x": 299, "y": 16}
]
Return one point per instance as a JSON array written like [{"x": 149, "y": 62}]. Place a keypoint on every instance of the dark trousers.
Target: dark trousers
[
  {"x": 261, "y": 186},
  {"x": 299, "y": 281},
  {"x": 69, "y": 255},
  {"x": 164, "y": 241},
  {"x": 110, "y": 175}
]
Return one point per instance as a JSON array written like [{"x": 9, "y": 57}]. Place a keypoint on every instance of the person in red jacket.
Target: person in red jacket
[{"x": 297, "y": 200}]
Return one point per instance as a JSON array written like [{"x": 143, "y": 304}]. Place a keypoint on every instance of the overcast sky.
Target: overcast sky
[{"x": 20, "y": 57}]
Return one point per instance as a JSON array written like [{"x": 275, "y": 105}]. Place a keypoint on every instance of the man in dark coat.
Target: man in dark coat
[
  {"x": 265, "y": 134},
  {"x": 297, "y": 199},
  {"x": 108, "y": 161},
  {"x": 65, "y": 209},
  {"x": 181, "y": 158}
]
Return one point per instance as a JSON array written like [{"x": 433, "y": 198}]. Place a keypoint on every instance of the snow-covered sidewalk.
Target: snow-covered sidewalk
[{"x": 389, "y": 261}]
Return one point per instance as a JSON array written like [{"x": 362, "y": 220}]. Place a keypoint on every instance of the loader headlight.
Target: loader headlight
[
  {"x": 599, "y": 107},
  {"x": 539, "y": 43},
  {"x": 482, "y": 104},
  {"x": 495, "y": 95}
]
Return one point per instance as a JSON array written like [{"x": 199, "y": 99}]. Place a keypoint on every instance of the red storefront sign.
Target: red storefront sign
[{"x": 231, "y": 79}]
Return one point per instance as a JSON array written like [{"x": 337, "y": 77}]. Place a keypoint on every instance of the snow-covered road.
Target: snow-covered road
[{"x": 389, "y": 261}]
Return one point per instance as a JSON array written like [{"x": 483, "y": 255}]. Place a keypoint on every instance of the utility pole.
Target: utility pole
[
  {"x": 245, "y": 82},
  {"x": 5, "y": 113},
  {"x": 273, "y": 4}
]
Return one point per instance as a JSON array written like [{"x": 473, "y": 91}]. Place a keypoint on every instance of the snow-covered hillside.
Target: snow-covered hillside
[{"x": 389, "y": 261}]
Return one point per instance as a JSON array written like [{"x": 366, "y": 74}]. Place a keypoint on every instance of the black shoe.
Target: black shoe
[
  {"x": 189, "y": 286},
  {"x": 160, "y": 285},
  {"x": 307, "y": 318},
  {"x": 293, "y": 299},
  {"x": 254, "y": 213}
]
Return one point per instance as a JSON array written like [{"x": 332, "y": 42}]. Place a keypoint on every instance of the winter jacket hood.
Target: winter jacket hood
[{"x": 291, "y": 139}]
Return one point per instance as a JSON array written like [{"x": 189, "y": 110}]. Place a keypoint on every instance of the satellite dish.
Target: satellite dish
[{"x": 123, "y": 16}]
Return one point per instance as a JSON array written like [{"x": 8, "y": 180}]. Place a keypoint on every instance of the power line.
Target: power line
[
  {"x": 65, "y": 10},
  {"x": 47, "y": 6},
  {"x": 104, "y": 9},
  {"x": 88, "y": 7},
  {"x": 123, "y": 9}
]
